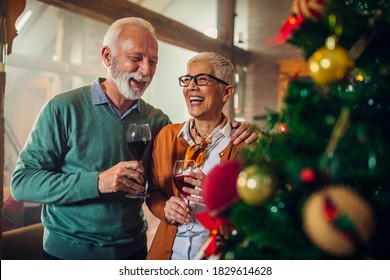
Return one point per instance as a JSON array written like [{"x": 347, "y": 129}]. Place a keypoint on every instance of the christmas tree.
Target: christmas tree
[{"x": 316, "y": 184}]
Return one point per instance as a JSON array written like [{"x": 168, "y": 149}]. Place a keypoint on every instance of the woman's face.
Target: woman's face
[{"x": 204, "y": 102}]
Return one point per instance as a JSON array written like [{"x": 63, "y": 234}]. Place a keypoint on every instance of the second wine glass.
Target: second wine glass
[
  {"x": 138, "y": 137},
  {"x": 181, "y": 170}
]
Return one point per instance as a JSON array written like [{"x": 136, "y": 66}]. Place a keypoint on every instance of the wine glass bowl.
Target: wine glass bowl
[
  {"x": 181, "y": 170},
  {"x": 138, "y": 137}
]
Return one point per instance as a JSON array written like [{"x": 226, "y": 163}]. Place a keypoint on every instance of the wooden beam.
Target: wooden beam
[
  {"x": 225, "y": 25},
  {"x": 37, "y": 63},
  {"x": 167, "y": 30},
  {"x": 225, "y": 20}
]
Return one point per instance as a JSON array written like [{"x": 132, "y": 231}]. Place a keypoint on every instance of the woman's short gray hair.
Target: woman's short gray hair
[
  {"x": 223, "y": 68},
  {"x": 114, "y": 31}
]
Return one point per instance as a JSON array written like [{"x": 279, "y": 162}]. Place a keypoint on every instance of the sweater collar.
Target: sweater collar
[{"x": 100, "y": 98}]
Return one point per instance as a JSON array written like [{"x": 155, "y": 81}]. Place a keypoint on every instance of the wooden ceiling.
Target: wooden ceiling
[{"x": 167, "y": 29}]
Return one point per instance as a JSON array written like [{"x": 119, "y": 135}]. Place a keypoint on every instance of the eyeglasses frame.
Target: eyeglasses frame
[{"x": 200, "y": 74}]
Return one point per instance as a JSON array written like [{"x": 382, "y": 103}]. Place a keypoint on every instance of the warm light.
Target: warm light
[
  {"x": 283, "y": 127},
  {"x": 360, "y": 78},
  {"x": 314, "y": 67},
  {"x": 330, "y": 43},
  {"x": 211, "y": 32},
  {"x": 325, "y": 63},
  {"x": 22, "y": 20},
  {"x": 292, "y": 20}
]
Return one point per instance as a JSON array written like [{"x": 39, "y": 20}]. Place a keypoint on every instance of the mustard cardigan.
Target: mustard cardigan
[{"x": 168, "y": 147}]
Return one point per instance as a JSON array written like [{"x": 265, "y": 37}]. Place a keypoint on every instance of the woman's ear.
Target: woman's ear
[{"x": 229, "y": 90}]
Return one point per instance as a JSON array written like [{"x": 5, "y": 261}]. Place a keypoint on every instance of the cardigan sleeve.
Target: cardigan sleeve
[
  {"x": 156, "y": 201},
  {"x": 167, "y": 148}
]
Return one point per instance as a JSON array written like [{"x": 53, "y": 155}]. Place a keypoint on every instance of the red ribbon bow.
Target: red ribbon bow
[
  {"x": 289, "y": 26},
  {"x": 212, "y": 225}
]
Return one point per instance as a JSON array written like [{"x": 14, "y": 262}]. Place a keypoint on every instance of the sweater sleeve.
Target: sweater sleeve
[{"x": 38, "y": 177}]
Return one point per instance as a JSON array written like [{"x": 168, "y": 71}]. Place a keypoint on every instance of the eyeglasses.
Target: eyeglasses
[{"x": 201, "y": 79}]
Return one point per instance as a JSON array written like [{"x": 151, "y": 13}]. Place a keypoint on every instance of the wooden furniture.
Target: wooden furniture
[
  {"x": 288, "y": 69},
  {"x": 23, "y": 243}
]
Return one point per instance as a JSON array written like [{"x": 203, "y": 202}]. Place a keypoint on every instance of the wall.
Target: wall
[
  {"x": 265, "y": 19},
  {"x": 164, "y": 92}
]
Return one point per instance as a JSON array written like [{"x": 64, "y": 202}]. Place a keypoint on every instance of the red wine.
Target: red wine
[
  {"x": 137, "y": 149},
  {"x": 179, "y": 182}
]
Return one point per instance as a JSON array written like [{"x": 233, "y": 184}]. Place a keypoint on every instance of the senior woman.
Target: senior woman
[{"x": 206, "y": 138}]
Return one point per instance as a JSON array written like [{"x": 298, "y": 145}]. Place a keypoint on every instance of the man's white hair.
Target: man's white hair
[{"x": 114, "y": 31}]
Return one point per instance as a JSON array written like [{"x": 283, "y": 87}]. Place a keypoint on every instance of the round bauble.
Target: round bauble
[
  {"x": 255, "y": 186},
  {"x": 338, "y": 220},
  {"x": 312, "y": 9},
  {"x": 330, "y": 65},
  {"x": 219, "y": 187},
  {"x": 307, "y": 175}
]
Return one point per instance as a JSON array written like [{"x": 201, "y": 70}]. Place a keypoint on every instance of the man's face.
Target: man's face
[
  {"x": 134, "y": 63},
  {"x": 124, "y": 81}
]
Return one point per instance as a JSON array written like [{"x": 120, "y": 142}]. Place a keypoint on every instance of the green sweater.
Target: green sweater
[{"x": 72, "y": 141}]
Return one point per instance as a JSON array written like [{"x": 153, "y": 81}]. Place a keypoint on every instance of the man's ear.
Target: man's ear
[{"x": 106, "y": 56}]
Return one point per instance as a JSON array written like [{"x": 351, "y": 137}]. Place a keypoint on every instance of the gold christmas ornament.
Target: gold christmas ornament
[
  {"x": 338, "y": 220},
  {"x": 254, "y": 186},
  {"x": 330, "y": 65}
]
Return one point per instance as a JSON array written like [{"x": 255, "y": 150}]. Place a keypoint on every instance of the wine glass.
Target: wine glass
[
  {"x": 138, "y": 137},
  {"x": 181, "y": 170}
]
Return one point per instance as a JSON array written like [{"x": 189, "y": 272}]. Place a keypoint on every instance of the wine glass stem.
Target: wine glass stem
[
  {"x": 140, "y": 162},
  {"x": 188, "y": 229}
]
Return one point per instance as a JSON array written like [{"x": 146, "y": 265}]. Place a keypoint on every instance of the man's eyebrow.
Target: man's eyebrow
[{"x": 135, "y": 54}]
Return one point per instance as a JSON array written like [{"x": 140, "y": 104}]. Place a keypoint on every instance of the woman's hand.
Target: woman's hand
[
  {"x": 196, "y": 179},
  {"x": 176, "y": 211}
]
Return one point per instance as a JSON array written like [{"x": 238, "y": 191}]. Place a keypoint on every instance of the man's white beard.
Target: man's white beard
[{"x": 122, "y": 81}]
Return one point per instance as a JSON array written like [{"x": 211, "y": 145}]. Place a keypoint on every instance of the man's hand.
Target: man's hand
[
  {"x": 244, "y": 132},
  {"x": 125, "y": 176}
]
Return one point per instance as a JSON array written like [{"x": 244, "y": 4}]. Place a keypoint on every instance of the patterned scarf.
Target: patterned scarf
[{"x": 198, "y": 151}]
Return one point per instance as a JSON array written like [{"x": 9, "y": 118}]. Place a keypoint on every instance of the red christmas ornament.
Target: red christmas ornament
[
  {"x": 307, "y": 175},
  {"x": 220, "y": 187}
]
